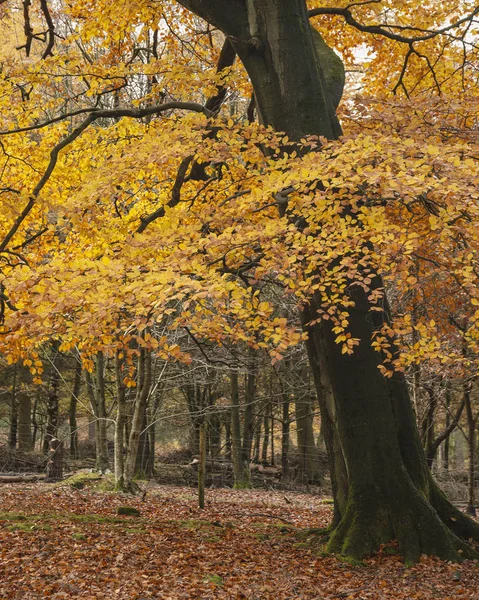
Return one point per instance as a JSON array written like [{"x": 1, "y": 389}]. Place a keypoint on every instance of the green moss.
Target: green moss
[
  {"x": 29, "y": 527},
  {"x": 81, "y": 479},
  {"x": 128, "y": 511},
  {"x": 216, "y": 579},
  {"x": 135, "y": 530},
  {"x": 93, "y": 519},
  {"x": 12, "y": 516},
  {"x": 332, "y": 67},
  {"x": 78, "y": 536},
  {"x": 354, "y": 562},
  {"x": 242, "y": 485},
  {"x": 213, "y": 539}
]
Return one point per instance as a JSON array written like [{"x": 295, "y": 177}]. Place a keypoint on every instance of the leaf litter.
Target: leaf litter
[{"x": 57, "y": 542}]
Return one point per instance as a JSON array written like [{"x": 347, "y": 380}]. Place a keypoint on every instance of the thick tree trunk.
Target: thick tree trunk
[{"x": 383, "y": 487}]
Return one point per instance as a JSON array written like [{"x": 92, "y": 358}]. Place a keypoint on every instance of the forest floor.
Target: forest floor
[{"x": 59, "y": 542}]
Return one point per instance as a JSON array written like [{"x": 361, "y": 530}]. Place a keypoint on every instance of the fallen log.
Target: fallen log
[{"x": 21, "y": 478}]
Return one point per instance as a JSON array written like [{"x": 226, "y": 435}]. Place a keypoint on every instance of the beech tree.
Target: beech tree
[{"x": 119, "y": 212}]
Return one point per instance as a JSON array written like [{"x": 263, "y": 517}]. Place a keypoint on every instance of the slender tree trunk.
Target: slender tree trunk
[
  {"x": 228, "y": 444},
  {"x": 144, "y": 370},
  {"x": 271, "y": 416},
  {"x": 285, "y": 426},
  {"x": 119, "y": 422},
  {"x": 72, "y": 413},
  {"x": 447, "y": 424},
  {"x": 51, "y": 429},
  {"x": 25, "y": 441},
  {"x": 266, "y": 422},
  {"x": 471, "y": 446},
  {"x": 248, "y": 417},
  {"x": 12, "y": 433},
  {"x": 309, "y": 466},
  {"x": 241, "y": 469},
  {"x": 96, "y": 394},
  {"x": 428, "y": 426},
  {"x": 34, "y": 419},
  {"x": 202, "y": 467}
]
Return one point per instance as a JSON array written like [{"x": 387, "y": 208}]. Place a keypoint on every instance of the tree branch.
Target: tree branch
[
  {"x": 95, "y": 114},
  {"x": 381, "y": 29}
]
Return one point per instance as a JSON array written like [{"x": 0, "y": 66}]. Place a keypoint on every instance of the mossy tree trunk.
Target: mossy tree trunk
[{"x": 388, "y": 492}]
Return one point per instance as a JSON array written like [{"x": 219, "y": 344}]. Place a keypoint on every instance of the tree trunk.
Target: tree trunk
[
  {"x": 96, "y": 393},
  {"x": 266, "y": 422},
  {"x": 285, "y": 425},
  {"x": 25, "y": 441},
  {"x": 144, "y": 387},
  {"x": 388, "y": 492},
  {"x": 72, "y": 413},
  {"x": 248, "y": 418},
  {"x": 12, "y": 432},
  {"x": 471, "y": 446},
  {"x": 257, "y": 439},
  {"x": 51, "y": 430},
  {"x": 309, "y": 471},
  {"x": 55, "y": 461},
  {"x": 241, "y": 469},
  {"x": 428, "y": 426},
  {"x": 119, "y": 423}
]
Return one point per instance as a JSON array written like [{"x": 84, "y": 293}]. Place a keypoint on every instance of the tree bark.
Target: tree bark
[
  {"x": 25, "y": 441},
  {"x": 13, "y": 428},
  {"x": 471, "y": 446},
  {"x": 248, "y": 417},
  {"x": 309, "y": 468},
  {"x": 51, "y": 430},
  {"x": 241, "y": 470},
  {"x": 144, "y": 388},
  {"x": 72, "y": 413},
  {"x": 383, "y": 487},
  {"x": 96, "y": 393},
  {"x": 119, "y": 422}
]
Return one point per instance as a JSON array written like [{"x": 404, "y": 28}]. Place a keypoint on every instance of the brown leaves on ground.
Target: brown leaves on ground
[{"x": 56, "y": 542}]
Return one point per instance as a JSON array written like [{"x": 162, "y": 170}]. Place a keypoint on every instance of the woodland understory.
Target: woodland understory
[{"x": 248, "y": 230}]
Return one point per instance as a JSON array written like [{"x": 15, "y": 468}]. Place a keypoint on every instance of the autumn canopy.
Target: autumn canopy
[{"x": 180, "y": 165}]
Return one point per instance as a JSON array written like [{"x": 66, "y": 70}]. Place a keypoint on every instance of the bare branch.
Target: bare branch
[
  {"x": 115, "y": 113},
  {"x": 384, "y": 29}
]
